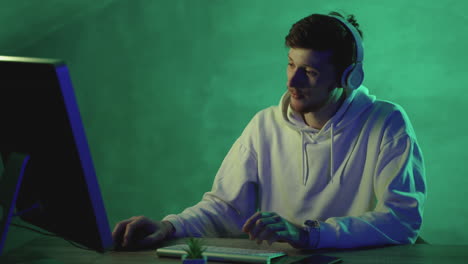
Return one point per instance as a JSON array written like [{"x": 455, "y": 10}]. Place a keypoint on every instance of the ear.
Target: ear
[{"x": 338, "y": 78}]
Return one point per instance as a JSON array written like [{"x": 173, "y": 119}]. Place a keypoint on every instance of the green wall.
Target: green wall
[{"x": 165, "y": 88}]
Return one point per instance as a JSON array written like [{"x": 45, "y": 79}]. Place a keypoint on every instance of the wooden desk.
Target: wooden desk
[{"x": 50, "y": 250}]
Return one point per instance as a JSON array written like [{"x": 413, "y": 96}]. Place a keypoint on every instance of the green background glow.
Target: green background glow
[{"x": 165, "y": 88}]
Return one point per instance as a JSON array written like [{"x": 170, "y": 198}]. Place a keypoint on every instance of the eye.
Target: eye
[{"x": 312, "y": 73}]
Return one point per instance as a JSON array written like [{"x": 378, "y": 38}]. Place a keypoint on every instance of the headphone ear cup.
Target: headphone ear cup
[
  {"x": 353, "y": 76},
  {"x": 344, "y": 76},
  {"x": 356, "y": 77}
]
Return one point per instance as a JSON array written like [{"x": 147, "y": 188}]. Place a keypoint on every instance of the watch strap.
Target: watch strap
[{"x": 313, "y": 229}]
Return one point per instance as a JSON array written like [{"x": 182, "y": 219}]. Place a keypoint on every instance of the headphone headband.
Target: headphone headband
[{"x": 353, "y": 76}]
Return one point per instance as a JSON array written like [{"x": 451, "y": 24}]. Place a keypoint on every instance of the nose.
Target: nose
[{"x": 296, "y": 80}]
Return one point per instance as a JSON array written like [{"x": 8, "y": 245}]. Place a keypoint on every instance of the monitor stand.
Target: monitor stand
[{"x": 10, "y": 183}]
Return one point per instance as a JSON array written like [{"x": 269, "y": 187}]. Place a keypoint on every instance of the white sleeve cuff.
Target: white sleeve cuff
[
  {"x": 179, "y": 231},
  {"x": 328, "y": 237}
]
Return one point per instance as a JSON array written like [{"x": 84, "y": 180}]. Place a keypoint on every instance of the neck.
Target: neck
[{"x": 318, "y": 119}]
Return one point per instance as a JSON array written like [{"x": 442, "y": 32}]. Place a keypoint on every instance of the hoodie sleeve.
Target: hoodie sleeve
[
  {"x": 231, "y": 201},
  {"x": 400, "y": 190}
]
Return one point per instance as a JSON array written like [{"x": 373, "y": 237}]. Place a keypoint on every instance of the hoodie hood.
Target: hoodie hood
[{"x": 355, "y": 103}]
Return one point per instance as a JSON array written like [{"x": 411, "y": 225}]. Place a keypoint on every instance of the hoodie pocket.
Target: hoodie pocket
[{"x": 316, "y": 166}]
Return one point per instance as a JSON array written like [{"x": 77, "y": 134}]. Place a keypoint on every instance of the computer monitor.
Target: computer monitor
[{"x": 49, "y": 174}]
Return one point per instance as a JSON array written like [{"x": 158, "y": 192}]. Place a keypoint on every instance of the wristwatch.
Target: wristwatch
[{"x": 312, "y": 228}]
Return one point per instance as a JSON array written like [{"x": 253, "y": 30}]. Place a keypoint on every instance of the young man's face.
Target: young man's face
[{"x": 311, "y": 78}]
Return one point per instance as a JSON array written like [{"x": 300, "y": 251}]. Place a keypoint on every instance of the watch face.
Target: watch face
[{"x": 312, "y": 223}]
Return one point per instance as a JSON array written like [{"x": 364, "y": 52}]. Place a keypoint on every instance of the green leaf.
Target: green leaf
[{"x": 195, "y": 249}]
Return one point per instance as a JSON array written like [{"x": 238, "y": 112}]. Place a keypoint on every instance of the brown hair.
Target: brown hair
[{"x": 320, "y": 32}]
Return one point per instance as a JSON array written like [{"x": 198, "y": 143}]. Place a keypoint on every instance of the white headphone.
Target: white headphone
[{"x": 353, "y": 75}]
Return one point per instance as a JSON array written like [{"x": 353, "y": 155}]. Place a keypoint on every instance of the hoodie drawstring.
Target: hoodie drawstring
[
  {"x": 331, "y": 154},
  {"x": 304, "y": 159}
]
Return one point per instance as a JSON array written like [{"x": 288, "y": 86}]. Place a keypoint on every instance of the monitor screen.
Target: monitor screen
[{"x": 39, "y": 117}]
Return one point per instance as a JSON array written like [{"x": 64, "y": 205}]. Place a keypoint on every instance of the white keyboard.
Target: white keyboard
[{"x": 225, "y": 254}]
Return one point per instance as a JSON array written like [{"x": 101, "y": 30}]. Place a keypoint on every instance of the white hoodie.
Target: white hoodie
[{"x": 362, "y": 176}]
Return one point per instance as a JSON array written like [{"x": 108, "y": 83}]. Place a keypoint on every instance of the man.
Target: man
[{"x": 330, "y": 166}]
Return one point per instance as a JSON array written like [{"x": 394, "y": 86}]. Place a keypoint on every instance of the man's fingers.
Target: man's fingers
[
  {"x": 130, "y": 230},
  {"x": 265, "y": 233},
  {"x": 272, "y": 232},
  {"x": 251, "y": 221},
  {"x": 261, "y": 224},
  {"x": 257, "y": 228},
  {"x": 269, "y": 233},
  {"x": 273, "y": 238},
  {"x": 119, "y": 231},
  {"x": 151, "y": 240}
]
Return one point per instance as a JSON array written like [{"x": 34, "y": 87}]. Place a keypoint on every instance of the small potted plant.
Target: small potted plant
[{"x": 194, "y": 252}]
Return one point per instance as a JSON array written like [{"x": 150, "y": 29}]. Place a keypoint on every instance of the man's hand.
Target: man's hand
[
  {"x": 272, "y": 227},
  {"x": 140, "y": 232}
]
